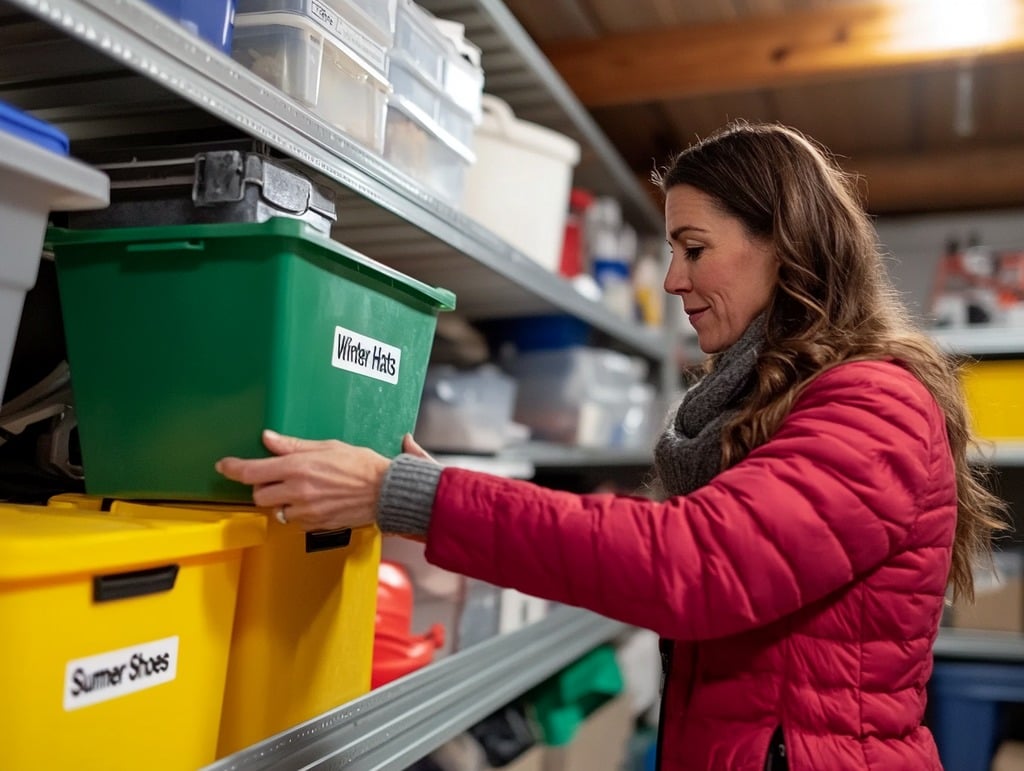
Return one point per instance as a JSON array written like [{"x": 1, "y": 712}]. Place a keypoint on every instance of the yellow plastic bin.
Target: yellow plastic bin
[
  {"x": 303, "y": 639},
  {"x": 116, "y": 631},
  {"x": 995, "y": 397}
]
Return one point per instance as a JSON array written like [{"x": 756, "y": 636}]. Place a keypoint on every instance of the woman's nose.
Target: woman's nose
[{"x": 677, "y": 277}]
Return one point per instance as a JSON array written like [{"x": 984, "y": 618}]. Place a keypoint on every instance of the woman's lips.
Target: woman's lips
[{"x": 695, "y": 314}]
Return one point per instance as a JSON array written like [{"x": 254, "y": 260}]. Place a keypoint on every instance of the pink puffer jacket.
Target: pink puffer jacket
[{"x": 804, "y": 585}]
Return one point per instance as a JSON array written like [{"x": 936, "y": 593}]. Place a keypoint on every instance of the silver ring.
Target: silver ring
[{"x": 280, "y": 516}]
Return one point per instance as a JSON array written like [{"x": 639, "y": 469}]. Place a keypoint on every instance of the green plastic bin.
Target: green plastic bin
[
  {"x": 563, "y": 702},
  {"x": 186, "y": 341}
]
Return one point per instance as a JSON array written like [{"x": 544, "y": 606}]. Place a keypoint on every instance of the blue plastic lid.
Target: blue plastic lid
[{"x": 24, "y": 126}]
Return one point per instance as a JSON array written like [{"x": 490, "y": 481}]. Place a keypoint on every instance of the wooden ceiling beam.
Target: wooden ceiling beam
[
  {"x": 769, "y": 51},
  {"x": 952, "y": 180},
  {"x": 980, "y": 178}
]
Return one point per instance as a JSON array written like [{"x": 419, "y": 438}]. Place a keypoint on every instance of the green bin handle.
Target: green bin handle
[{"x": 167, "y": 246}]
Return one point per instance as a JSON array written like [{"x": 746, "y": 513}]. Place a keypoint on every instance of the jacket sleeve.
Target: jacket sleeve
[{"x": 830, "y": 497}]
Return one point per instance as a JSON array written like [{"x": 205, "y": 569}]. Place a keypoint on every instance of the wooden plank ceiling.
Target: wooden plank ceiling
[{"x": 929, "y": 128}]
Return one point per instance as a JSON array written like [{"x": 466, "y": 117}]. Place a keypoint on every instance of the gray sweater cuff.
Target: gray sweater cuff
[{"x": 407, "y": 495}]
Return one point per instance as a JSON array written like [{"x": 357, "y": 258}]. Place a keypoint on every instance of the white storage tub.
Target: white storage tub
[
  {"x": 519, "y": 186},
  {"x": 314, "y": 67},
  {"x": 33, "y": 182},
  {"x": 366, "y": 26}
]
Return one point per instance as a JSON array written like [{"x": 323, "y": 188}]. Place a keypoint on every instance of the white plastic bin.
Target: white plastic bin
[
  {"x": 33, "y": 182},
  {"x": 317, "y": 69},
  {"x": 519, "y": 186}
]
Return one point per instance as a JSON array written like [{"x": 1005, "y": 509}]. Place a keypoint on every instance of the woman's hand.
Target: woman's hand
[{"x": 317, "y": 485}]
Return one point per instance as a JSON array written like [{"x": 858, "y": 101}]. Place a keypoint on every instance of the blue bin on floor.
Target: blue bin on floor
[{"x": 966, "y": 705}]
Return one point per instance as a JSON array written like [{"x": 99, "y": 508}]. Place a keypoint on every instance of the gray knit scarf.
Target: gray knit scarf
[{"x": 689, "y": 453}]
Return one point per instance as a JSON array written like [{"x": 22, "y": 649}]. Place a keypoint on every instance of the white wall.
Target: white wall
[{"x": 916, "y": 244}]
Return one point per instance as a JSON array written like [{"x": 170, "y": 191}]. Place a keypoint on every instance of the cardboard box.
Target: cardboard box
[
  {"x": 1010, "y": 757},
  {"x": 531, "y": 760},
  {"x": 998, "y": 598},
  {"x": 600, "y": 743}
]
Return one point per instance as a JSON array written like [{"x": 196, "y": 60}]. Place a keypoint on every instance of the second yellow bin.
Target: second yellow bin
[
  {"x": 303, "y": 638},
  {"x": 116, "y": 630},
  {"x": 995, "y": 398}
]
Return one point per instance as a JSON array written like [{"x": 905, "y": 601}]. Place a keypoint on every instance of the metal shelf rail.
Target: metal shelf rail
[
  {"x": 94, "y": 88},
  {"x": 1000, "y": 453},
  {"x": 982, "y": 340},
  {"x": 980, "y": 646},
  {"x": 395, "y": 725}
]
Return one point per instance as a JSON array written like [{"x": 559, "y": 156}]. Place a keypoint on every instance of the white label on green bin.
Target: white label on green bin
[
  {"x": 363, "y": 355},
  {"x": 112, "y": 675}
]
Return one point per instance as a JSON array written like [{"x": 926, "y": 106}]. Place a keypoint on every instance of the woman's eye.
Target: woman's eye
[{"x": 694, "y": 252}]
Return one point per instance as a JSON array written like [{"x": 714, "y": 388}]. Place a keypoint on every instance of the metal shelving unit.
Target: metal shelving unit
[
  {"x": 522, "y": 462},
  {"x": 980, "y": 646},
  {"x": 118, "y": 72},
  {"x": 982, "y": 340},
  {"x": 119, "y": 69},
  {"x": 553, "y": 456},
  {"x": 517, "y": 71},
  {"x": 403, "y": 721},
  {"x": 1002, "y": 453}
]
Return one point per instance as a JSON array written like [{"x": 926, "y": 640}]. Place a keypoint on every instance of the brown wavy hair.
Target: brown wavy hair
[{"x": 834, "y": 302}]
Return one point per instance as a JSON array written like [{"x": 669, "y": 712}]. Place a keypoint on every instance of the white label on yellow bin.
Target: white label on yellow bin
[
  {"x": 111, "y": 675},
  {"x": 363, "y": 355}
]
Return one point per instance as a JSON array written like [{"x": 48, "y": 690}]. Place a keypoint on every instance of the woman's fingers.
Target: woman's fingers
[
  {"x": 321, "y": 485},
  {"x": 254, "y": 471},
  {"x": 410, "y": 446},
  {"x": 279, "y": 444}
]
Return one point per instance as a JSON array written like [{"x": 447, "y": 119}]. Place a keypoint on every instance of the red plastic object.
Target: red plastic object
[
  {"x": 573, "y": 248},
  {"x": 396, "y": 651}
]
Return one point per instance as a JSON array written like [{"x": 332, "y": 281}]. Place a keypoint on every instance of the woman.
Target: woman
[{"x": 819, "y": 499}]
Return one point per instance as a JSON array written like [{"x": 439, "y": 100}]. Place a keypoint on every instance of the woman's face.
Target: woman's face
[{"x": 724, "y": 275}]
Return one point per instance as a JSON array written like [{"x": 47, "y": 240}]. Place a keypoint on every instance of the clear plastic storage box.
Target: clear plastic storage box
[
  {"x": 366, "y": 26},
  {"x": 421, "y": 42},
  {"x": 439, "y": 51},
  {"x": 463, "y": 75},
  {"x": 409, "y": 83},
  {"x": 466, "y": 411},
  {"x": 584, "y": 396},
  {"x": 317, "y": 69},
  {"x": 418, "y": 146}
]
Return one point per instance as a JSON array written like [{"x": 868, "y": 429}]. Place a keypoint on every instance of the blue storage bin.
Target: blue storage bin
[
  {"x": 212, "y": 20},
  {"x": 966, "y": 704},
  {"x": 542, "y": 333},
  {"x": 24, "y": 126}
]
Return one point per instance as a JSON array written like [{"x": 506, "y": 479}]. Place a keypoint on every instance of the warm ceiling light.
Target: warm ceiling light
[{"x": 936, "y": 25}]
